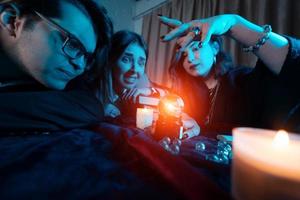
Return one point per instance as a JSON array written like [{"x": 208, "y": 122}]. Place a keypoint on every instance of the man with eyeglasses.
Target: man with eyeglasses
[
  {"x": 47, "y": 56},
  {"x": 47, "y": 51}
]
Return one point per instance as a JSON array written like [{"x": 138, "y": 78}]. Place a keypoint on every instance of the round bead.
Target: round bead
[
  {"x": 200, "y": 146},
  {"x": 222, "y": 144},
  {"x": 176, "y": 142},
  {"x": 176, "y": 149},
  {"x": 212, "y": 157},
  {"x": 222, "y": 152},
  {"x": 167, "y": 139},
  {"x": 228, "y": 147}
]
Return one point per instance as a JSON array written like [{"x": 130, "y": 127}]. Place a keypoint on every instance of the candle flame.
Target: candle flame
[{"x": 281, "y": 139}]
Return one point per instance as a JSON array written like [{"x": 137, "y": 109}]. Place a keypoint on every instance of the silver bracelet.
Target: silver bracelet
[{"x": 267, "y": 30}]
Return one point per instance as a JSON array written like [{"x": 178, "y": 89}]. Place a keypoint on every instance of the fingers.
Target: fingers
[
  {"x": 111, "y": 111},
  {"x": 183, "y": 42},
  {"x": 204, "y": 36},
  {"x": 206, "y": 33},
  {"x": 185, "y": 34},
  {"x": 188, "y": 32},
  {"x": 132, "y": 94},
  {"x": 191, "y": 127},
  {"x": 128, "y": 94},
  {"x": 115, "y": 113},
  {"x": 192, "y": 132},
  {"x": 173, "y": 23},
  {"x": 135, "y": 96},
  {"x": 177, "y": 32}
]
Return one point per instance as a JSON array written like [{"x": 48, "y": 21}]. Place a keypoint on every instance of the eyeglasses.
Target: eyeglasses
[{"x": 71, "y": 47}]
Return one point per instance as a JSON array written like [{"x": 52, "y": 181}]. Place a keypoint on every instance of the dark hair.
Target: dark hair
[
  {"x": 120, "y": 41},
  {"x": 179, "y": 75},
  {"x": 192, "y": 89},
  {"x": 98, "y": 14}
]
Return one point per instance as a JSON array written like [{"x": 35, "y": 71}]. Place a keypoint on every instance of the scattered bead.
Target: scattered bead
[
  {"x": 176, "y": 142},
  {"x": 200, "y": 146}
]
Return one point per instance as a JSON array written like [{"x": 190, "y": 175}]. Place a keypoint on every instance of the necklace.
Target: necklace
[{"x": 212, "y": 102}]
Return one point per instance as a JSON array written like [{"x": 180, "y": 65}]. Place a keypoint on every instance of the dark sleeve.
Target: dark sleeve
[
  {"x": 290, "y": 73},
  {"x": 48, "y": 110}
]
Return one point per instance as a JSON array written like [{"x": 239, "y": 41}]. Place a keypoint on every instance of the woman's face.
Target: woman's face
[
  {"x": 198, "y": 60},
  {"x": 130, "y": 66}
]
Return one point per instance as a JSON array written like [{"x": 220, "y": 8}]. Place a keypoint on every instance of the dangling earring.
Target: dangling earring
[{"x": 215, "y": 68}]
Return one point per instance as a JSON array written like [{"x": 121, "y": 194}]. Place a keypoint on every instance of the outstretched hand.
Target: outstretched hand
[{"x": 202, "y": 29}]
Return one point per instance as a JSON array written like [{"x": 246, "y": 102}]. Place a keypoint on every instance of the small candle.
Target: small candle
[
  {"x": 144, "y": 117},
  {"x": 266, "y": 164}
]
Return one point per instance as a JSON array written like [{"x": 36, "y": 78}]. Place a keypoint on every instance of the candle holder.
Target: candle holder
[{"x": 169, "y": 123}]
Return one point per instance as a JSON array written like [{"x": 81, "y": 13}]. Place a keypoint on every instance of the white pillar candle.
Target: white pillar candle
[
  {"x": 144, "y": 117},
  {"x": 266, "y": 164}
]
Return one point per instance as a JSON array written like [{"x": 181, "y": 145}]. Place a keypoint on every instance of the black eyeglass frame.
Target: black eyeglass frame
[{"x": 89, "y": 57}]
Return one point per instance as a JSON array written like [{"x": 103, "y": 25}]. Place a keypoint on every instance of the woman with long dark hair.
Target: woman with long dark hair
[
  {"x": 220, "y": 97},
  {"x": 125, "y": 69},
  {"x": 124, "y": 79},
  {"x": 196, "y": 75}
]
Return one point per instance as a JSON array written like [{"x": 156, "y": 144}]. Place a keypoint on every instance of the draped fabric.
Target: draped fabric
[
  {"x": 110, "y": 162},
  {"x": 282, "y": 15}
]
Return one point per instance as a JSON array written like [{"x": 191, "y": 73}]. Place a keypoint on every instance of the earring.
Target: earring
[{"x": 215, "y": 60}]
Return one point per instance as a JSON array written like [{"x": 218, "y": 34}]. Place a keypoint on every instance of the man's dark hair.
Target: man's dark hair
[{"x": 97, "y": 13}]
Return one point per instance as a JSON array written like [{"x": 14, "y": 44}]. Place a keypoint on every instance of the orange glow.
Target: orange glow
[{"x": 170, "y": 106}]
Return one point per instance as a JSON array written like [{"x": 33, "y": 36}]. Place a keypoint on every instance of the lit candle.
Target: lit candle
[
  {"x": 266, "y": 164},
  {"x": 144, "y": 117}
]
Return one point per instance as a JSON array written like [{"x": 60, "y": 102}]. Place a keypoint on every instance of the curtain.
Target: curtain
[{"x": 282, "y": 15}]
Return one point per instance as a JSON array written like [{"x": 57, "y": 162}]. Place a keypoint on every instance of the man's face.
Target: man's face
[{"x": 40, "y": 48}]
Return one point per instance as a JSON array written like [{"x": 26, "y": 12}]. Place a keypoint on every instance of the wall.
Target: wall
[
  {"x": 121, "y": 13},
  {"x": 127, "y": 14}
]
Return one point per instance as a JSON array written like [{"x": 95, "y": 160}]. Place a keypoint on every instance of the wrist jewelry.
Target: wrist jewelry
[{"x": 267, "y": 30}]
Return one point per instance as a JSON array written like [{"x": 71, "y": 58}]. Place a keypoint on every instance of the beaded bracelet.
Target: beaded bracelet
[{"x": 267, "y": 30}]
